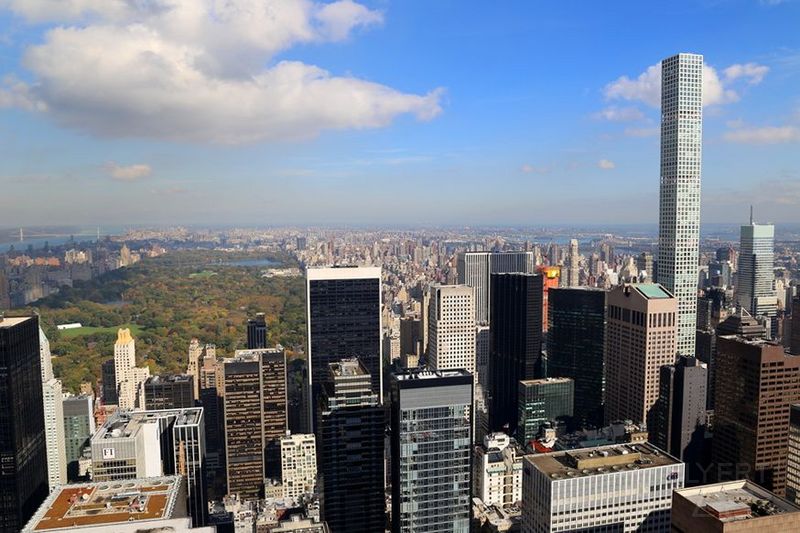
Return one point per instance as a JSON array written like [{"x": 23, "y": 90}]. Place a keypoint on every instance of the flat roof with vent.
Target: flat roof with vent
[
  {"x": 737, "y": 500},
  {"x": 600, "y": 460}
]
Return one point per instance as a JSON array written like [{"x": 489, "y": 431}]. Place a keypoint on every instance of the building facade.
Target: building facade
[
  {"x": 641, "y": 330},
  {"x": 543, "y": 400},
  {"x": 129, "y": 378},
  {"x": 174, "y": 391},
  {"x": 298, "y": 464},
  {"x": 755, "y": 280},
  {"x": 475, "y": 270},
  {"x": 451, "y": 328},
  {"x": 431, "y": 489},
  {"x": 79, "y": 426},
  {"x": 679, "y": 201},
  {"x": 257, "y": 332},
  {"x": 499, "y": 471}
]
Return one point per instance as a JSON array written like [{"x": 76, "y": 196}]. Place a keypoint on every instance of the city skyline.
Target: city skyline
[{"x": 539, "y": 116}]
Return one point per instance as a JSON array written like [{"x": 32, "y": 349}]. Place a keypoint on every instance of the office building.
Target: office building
[
  {"x": 679, "y": 426},
  {"x": 483, "y": 347},
  {"x": 475, "y": 270},
  {"x": 679, "y": 203},
  {"x": 610, "y": 488},
  {"x": 129, "y": 378},
  {"x": 343, "y": 320},
  {"x": 756, "y": 384},
  {"x": 172, "y": 391},
  {"x": 499, "y": 471},
  {"x": 573, "y": 265},
  {"x": 793, "y": 458},
  {"x": 152, "y": 504},
  {"x": 732, "y": 507},
  {"x": 23, "y": 479},
  {"x": 298, "y": 464},
  {"x": 109, "y": 383},
  {"x": 255, "y": 419},
  {"x": 543, "y": 400},
  {"x": 79, "y": 426},
  {"x": 411, "y": 336},
  {"x": 550, "y": 280},
  {"x": 645, "y": 264},
  {"x": 146, "y": 444},
  {"x": 576, "y": 344},
  {"x": 351, "y": 449},
  {"x": 516, "y": 343},
  {"x": 640, "y": 338},
  {"x": 431, "y": 489},
  {"x": 257, "y": 332},
  {"x": 755, "y": 280},
  {"x": 794, "y": 343},
  {"x": 451, "y": 328}
]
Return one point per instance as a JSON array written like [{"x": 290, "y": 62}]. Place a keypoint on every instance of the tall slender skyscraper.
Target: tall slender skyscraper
[
  {"x": 755, "y": 289},
  {"x": 516, "y": 343},
  {"x": 130, "y": 378},
  {"x": 679, "y": 209},
  {"x": 573, "y": 265},
  {"x": 23, "y": 477},
  {"x": 451, "y": 333},
  {"x": 343, "y": 320},
  {"x": 53, "y": 417}
]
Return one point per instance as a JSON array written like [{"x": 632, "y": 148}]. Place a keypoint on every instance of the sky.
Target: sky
[{"x": 275, "y": 112}]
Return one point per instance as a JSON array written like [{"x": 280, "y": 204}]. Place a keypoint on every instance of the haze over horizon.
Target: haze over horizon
[{"x": 378, "y": 112}]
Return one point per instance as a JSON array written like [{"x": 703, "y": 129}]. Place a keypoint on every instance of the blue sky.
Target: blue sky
[{"x": 428, "y": 112}]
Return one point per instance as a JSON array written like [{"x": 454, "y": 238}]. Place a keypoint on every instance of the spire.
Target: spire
[{"x": 751, "y": 214}]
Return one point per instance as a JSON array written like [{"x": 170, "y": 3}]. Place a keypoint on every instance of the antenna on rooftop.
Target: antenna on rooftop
[{"x": 751, "y": 214}]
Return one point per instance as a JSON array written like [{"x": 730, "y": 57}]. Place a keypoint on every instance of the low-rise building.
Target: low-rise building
[{"x": 499, "y": 470}]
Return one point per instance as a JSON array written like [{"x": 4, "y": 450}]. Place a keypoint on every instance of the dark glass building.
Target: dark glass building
[
  {"x": 110, "y": 396},
  {"x": 344, "y": 320},
  {"x": 23, "y": 476},
  {"x": 431, "y": 487},
  {"x": 575, "y": 347},
  {"x": 516, "y": 343},
  {"x": 174, "y": 391},
  {"x": 257, "y": 332},
  {"x": 78, "y": 428},
  {"x": 541, "y": 401},
  {"x": 350, "y": 447}
]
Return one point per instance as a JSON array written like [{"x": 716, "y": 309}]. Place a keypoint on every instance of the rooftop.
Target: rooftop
[
  {"x": 544, "y": 380},
  {"x": 601, "y": 460},
  {"x": 424, "y": 373},
  {"x": 737, "y": 500},
  {"x": 127, "y": 424},
  {"x": 348, "y": 367},
  {"x": 105, "y": 503},
  {"x": 11, "y": 321},
  {"x": 652, "y": 291}
]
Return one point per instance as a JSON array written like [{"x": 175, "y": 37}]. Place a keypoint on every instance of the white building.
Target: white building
[
  {"x": 298, "y": 464},
  {"x": 755, "y": 281},
  {"x": 626, "y": 488},
  {"x": 52, "y": 398},
  {"x": 451, "y": 328},
  {"x": 130, "y": 378},
  {"x": 679, "y": 214},
  {"x": 499, "y": 471},
  {"x": 572, "y": 279}
]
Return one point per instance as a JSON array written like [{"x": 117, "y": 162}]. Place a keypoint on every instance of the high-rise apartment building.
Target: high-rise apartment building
[
  {"x": 298, "y": 464},
  {"x": 53, "y": 417},
  {"x": 756, "y": 384},
  {"x": 499, "y": 470},
  {"x": 641, "y": 323},
  {"x": 573, "y": 265},
  {"x": 130, "y": 378},
  {"x": 475, "y": 268},
  {"x": 679, "y": 204},
  {"x": 79, "y": 426},
  {"x": 257, "y": 332},
  {"x": 23, "y": 453},
  {"x": 451, "y": 328},
  {"x": 172, "y": 391},
  {"x": 540, "y": 401},
  {"x": 343, "y": 320},
  {"x": 550, "y": 278},
  {"x": 144, "y": 444},
  {"x": 255, "y": 418},
  {"x": 755, "y": 280},
  {"x": 679, "y": 424},
  {"x": 793, "y": 457},
  {"x": 431, "y": 490},
  {"x": 411, "y": 336},
  {"x": 350, "y": 433},
  {"x": 516, "y": 343},
  {"x": 193, "y": 367},
  {"x": 576, "y": 345},
  {"x": 611, "y": 488}
]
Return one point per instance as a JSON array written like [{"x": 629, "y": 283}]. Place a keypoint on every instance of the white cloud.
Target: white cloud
[
  {"x": 764, "y": 135},
  {"x": 128, "y": 173},
  {"x": 716, "y": 91},
  {"x": 16, "y": 93},
  {"x": 605, "y": 164},
  {"x": 619, "y": 114},
  {"x": 193, "y": 70}
]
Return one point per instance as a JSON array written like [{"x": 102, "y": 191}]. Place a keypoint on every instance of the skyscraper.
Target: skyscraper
[
  {"x": 540, "y": 401},
  {"x": 173, "y": 391},
  {"x": 343, "y": 320},
  {"x": 130, "y": 378},
  {"x": 350, "y": 433},
  {"x": 475, "y": 268},
  {"x": 756, "y": 384},
  {"x": 53, "y": 417},
  {"x": 255, "y": 418},
  {"x": 573, "y": 265},
  {"x": 679, "y": 204},
  {"x": 516, "y": 343},
  {"x": 257, "y": 332},
  {"x": 451, "y": 328},
  {"x": 755, "y": 290},
  {"x": 550, "y": 279},
  {"x": 431, "y": 490},
  {"x": 23, "y": 478},
  {"x": 79, "y": 426},
  {"x": 109, "y": 396},
  {"x": 794, "y": 345},
  {"x": 640, "y": 339},
  {"x": 576, "y": 345}
]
